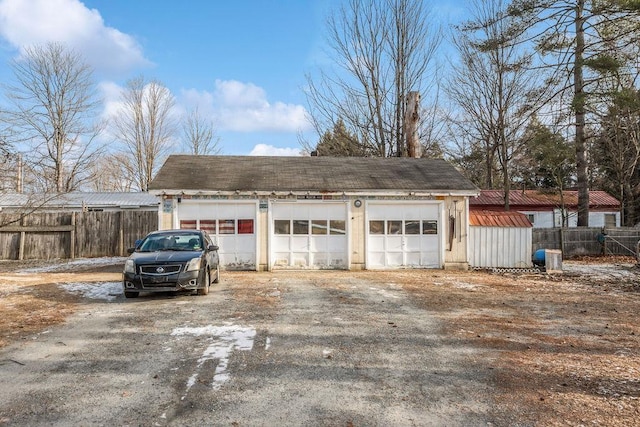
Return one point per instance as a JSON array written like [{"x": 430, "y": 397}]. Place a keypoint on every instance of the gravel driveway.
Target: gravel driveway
[{"x": 318, "y": 348}]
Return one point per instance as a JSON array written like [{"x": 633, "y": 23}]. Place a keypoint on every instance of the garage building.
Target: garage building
[{"x": 270, "y": 213}]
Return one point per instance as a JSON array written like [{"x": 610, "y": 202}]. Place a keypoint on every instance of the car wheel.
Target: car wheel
[
  {"x": 129, "y": 294},
  {"x": 205, "y": 290},
  {"x": 217, "y": 279}
]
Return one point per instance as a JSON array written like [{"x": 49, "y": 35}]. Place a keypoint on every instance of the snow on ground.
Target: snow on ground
[
  {"x": 108, "y": 291},
  {"x": 602, "y": 271},
  {"x": 65, "y": 265},
  {"x": 223, "y": 340}
]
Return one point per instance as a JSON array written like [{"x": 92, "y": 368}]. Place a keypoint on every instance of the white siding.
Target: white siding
[
  {"x": 596, "y": 219},
  {"x": 500, "y": 247},
  {"x": 551, "y": 219}
]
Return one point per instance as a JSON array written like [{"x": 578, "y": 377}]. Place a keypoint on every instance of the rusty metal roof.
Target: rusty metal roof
[
  {"x": 498, "y": 219},
  {"x": 536, "y": 198}
]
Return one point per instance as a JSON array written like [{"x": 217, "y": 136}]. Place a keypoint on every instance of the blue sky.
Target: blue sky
[{"x": 242, "y": 62}]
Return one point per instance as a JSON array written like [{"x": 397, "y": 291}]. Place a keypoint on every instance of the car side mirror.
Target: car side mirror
[
  {"x": 213, "y": 248},
  {"x": 131, "y": 250}
]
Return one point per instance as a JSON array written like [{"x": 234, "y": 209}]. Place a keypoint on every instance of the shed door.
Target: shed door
[
  {"x": 232, "y": 226},
  {"x": 404, "y": 235},
  {"x": 309, "y": 235}
]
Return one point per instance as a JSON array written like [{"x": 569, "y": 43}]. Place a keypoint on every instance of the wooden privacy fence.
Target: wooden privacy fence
[
  {"x": 55, "y": 235},
  {"x": 578, "y": 241}
]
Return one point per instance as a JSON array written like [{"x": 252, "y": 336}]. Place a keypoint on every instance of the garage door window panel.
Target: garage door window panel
[
  {"x": 188, "y": 224},
  {"x": 376, "y": 227},
  {"x": 300, "y": 226},
  {"x": 429, "y": 227},
  {"x": 208, "y": 225},
  {"x": 227, "y": 226},
  {"x": 282, "y": 226},
  {"x": 337, "y": 227},
  {"x": 318, "y": 227},
  {"x": 412, "y": 227},
  {"x": 394, "y": 227},
  {"x": 245, "y": 226}
]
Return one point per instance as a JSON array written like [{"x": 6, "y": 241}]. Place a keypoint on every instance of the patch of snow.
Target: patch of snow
[
  {"x": 224, "y": 339},
  {"x": 601, "y": 271},
  {"x": 63, "y": 264},
  {"x": 108, "y": 291},
  {"x": 464, "y": 285}
]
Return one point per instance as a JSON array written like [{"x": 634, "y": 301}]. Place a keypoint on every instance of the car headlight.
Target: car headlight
[
  {"x": 130, "y": 266},
  {"x": 194, "y": 264}
]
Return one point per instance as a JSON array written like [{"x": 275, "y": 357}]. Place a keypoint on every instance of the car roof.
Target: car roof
[{"x": 178, "y": 231}]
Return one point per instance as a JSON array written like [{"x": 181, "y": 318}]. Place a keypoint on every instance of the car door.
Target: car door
[{"x": 212, "y": 256}]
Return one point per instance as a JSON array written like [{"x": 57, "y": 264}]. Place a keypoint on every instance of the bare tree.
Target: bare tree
[
  {"x": 145, "y": 126},
  {"x": 114, "y": 172},
  {"x": 382, "y": 51},
  {"x": 199, "y": 134},
  {"x": 494, "y": 91},
  {"x": 53, "y": 110}
]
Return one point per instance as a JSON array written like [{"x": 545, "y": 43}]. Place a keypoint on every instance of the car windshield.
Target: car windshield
[{"x": 171, "y": 242}]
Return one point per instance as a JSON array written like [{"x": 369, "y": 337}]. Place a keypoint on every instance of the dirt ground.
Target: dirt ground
[{"x": 567, "y": 345}]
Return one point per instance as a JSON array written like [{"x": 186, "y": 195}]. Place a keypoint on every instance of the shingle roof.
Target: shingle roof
[
  {"x": 79, "y": 199},
  {"x": 317, "y": 174},
  {"x": 498, "y": 219},
  {"x": 537, "y": 198}
]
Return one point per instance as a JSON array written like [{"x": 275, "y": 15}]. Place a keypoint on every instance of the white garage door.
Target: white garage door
[
  {"x": 404, "y": 235},
  {"x": 232, "y": 226},
  {"x": 309, "y": 235}
]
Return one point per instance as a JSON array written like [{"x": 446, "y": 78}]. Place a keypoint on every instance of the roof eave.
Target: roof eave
[{"x": 358, "y": 193}]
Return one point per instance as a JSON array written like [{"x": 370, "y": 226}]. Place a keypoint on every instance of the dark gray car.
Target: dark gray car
[{"x": 171, "y": 260}]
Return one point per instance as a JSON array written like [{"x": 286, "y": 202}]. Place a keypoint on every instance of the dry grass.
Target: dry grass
[{"x": 567, "y": 346}]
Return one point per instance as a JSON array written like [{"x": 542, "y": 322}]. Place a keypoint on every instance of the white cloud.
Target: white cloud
[
  {"x": 270, "y": 150},
  {"x": 28, "y": 22},
  {"x": 111, "y": 98},
  {"x": 243, "y": 107}
]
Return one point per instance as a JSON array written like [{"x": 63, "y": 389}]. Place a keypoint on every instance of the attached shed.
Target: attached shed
[
  {"x": 270, "y": 213},
  {"x": 499, "y": 240}
]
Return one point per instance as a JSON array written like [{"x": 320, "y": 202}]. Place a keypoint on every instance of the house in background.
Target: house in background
[
  {"x": 543, "y": 209},
  {"x": 270, "y": 213},
  {"x": 79, "y": 202}
]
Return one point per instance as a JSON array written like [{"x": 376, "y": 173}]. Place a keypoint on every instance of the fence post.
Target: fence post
[
  {"x": 21, "y": 247},
  {"x": 72, "y": 248},
  {"x": 121, "y": 234}
]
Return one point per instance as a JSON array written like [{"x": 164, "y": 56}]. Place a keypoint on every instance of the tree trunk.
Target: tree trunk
[
  {"x": 579, "y": 105},
  {"x": 411, "y": 124}
]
